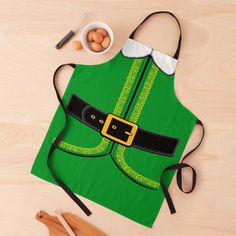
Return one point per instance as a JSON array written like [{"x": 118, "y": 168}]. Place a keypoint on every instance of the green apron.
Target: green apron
[{"x": 119, "y": 133}]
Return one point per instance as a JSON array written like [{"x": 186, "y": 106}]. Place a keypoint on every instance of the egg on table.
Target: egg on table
[{"x": 77, "y": 45}]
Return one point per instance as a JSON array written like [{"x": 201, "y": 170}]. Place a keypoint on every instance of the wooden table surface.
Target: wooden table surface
[{"x": 205, "y": 83}]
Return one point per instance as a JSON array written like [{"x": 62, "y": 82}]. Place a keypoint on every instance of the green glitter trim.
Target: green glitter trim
[{"x": 134, "y": 118}]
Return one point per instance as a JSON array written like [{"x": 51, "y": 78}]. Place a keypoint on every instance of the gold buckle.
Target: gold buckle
[{"x": 130, "y": 134}]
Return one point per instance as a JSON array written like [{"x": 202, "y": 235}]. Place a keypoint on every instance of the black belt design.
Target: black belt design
[{"x": 121, "y": 130}]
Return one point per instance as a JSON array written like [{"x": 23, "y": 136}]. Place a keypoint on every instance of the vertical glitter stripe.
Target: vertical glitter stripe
[{"x": 134, "y": 118}]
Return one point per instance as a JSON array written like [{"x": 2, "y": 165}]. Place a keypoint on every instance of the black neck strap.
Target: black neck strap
[{"x": 176, "y": 55}]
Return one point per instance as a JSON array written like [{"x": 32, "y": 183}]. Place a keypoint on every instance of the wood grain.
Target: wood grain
[
  {"x": 79, "y": 226},
  {"x": 205, "y": 83}
]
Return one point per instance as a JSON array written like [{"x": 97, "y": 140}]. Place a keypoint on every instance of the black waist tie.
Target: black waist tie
[
  {"x": 179, "y": 168},
  {"x": 55, "y": 143}
]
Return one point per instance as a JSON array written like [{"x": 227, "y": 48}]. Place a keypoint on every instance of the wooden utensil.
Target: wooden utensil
[{"x": 79, "y": 226}]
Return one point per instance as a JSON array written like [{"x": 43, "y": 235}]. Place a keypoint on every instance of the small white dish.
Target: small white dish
[{"x": 91, "y": 26}]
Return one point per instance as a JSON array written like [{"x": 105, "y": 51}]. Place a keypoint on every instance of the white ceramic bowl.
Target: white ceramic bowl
[{"x": 91, "y": 26}]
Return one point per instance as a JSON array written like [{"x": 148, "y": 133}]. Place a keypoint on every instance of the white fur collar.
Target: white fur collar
[{"x": 136, "y": 49}]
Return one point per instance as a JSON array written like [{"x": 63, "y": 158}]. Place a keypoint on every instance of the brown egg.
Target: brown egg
[
  {"x": 90, "y": 35},
  {"x": 77, "y": 45},
  {"x": 97, "y": 37},
  {"x": 106, "y": 42},
  {"x": 102, "y": 31},
  {"x": 96, "y": 47}
]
